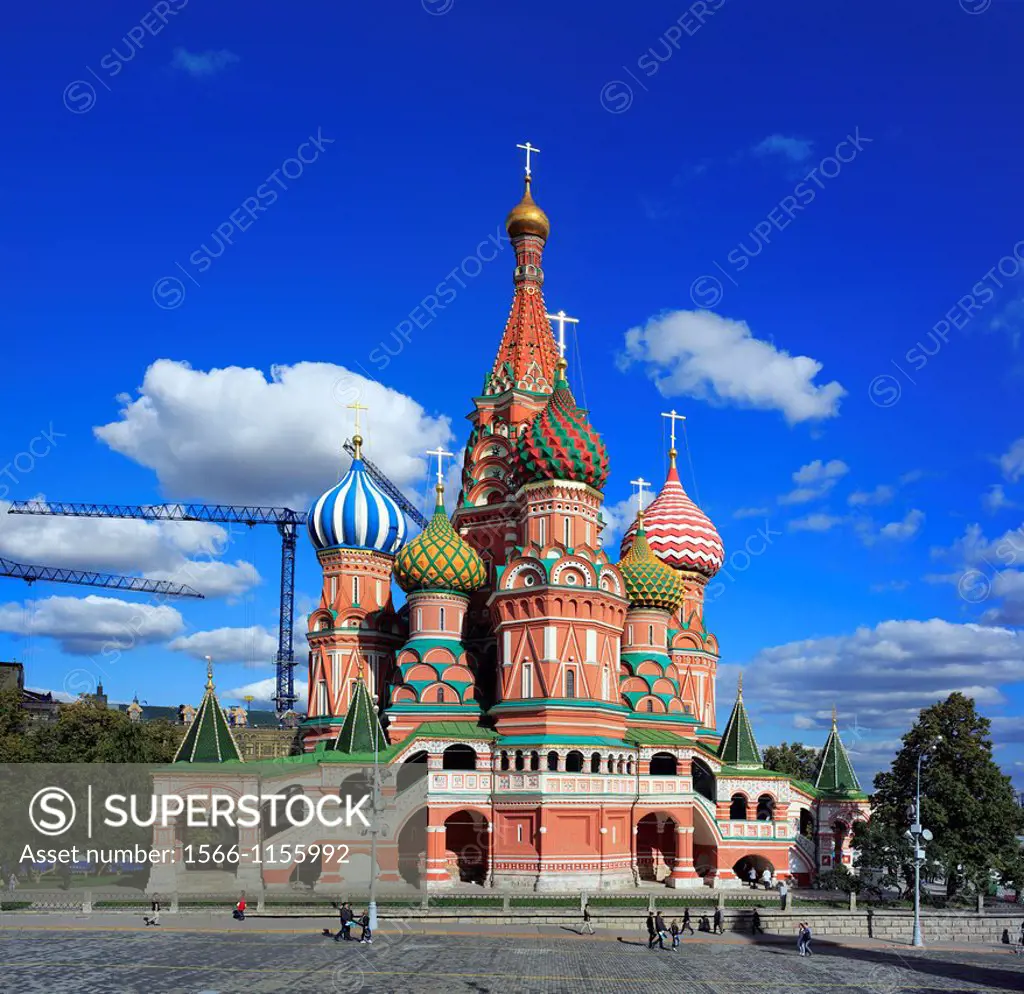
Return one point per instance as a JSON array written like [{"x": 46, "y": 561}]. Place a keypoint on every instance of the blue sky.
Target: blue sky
[{"x": 795, "y": 226}]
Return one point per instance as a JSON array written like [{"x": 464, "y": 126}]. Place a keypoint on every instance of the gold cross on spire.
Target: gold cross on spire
[
  {"x": 528, "y": 148},
  {"x": 739, "y": 685},
  {"x": 835, "y": 715},
  {"x": 562, "y": 319},
  {"x": 357, "y": 439},
  {"x": 209, "y": 672}
]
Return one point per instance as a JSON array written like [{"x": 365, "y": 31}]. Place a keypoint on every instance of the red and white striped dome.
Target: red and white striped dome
[{"x": 678, "y": 532}]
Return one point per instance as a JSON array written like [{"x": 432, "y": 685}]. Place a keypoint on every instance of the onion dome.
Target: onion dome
[
  {"x": 649, "y": 582},
  {"x": 439, "y": 559},
  {"x": 559, "y": 443},
  {"x": 526, "y": 218},
  {"x": 678, "y": 532},
  {"x": 357, "y": 514}
]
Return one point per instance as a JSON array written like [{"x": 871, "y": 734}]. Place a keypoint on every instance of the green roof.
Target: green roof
[
  {"x": 836, "y": 776},
  {"x": 657, "y": 736},
  {"x": 738, "y": 746},
  {"x": 361, "y": 725},
  {"x": 544, "y": 740},
  {"x": 209, "y": 738}
]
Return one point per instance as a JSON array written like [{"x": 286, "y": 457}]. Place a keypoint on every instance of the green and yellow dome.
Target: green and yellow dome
[
  {"x": 438, "y": 559},
  {"x": 649, "y": 581}
]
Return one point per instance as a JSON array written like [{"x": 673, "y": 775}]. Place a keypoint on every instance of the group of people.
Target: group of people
[
  {"x": 347, "y": 918},
  {"x": 658, "y": 932}
]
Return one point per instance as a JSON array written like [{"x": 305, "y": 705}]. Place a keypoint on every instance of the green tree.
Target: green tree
[
  {"x": 14, "y": 747},
  {"x": 796, "y": 760},
  {"x": 966, "y": 801}
]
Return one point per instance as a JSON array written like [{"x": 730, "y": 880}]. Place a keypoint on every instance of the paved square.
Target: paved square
[{"x": 255, "y": 958}]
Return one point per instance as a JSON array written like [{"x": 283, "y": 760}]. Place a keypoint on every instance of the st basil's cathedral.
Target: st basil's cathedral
[{"x": 559, "y": 707}]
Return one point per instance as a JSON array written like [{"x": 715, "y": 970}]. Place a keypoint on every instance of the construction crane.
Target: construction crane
[
  {"x": 55, "y": 574},
  {"x": 286, "y": 520}
]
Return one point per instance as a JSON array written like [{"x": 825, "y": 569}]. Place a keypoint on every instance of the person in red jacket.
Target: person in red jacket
[{"x": 239, "y": 913}]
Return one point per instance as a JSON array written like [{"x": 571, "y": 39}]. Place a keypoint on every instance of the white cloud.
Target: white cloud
[
  {"x": 814, "y": 480},
  {"x": 254, "y": 646},
  {"x": 699, "y": 354},
  {"x": 906, "y": 529},
  {"x": 159, "y": 550},
  {"x": 233, "y": 436},
  {"x": 995, "y": 499},
  {"x": 1011, "y": 462},
  {"x": 86, "y": 625},
  {"x": 882, "y": 494},
  {"x": 751, "y": 512},
  {"x": 263, "y": 692},
  {"x": 793, "y": 149},
  {"x": 199, "y": 64},
  {"x": 815, "y": 523},
  {"x": 881, "y": 677}
]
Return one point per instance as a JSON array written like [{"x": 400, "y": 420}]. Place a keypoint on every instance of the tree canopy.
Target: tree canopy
[
  {"x": 966, "y": 801},
  {"x": 796, "y": 760}
]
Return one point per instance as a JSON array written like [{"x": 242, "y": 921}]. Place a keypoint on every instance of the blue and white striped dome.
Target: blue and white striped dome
[{"x": 357, "y": 514}]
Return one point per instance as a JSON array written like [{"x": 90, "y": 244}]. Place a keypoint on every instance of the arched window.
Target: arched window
[
  {"x": 520, "y": 764},
  {"x": 738, "y": 808},
  {"x": 595, "y": 763},
  {"x": 629, "y": 767},
  {"x": 664, "y": 764},
  {"x": 552, "y": 760},
  {"x": 605, "y": 684},
  {"x": 570, "y": 683},
  {"x": 440, "y": 619},
  {"x": 535, "y": 760},
  {"x": 459, "y": 757},
  {"x": 611, "y": 764},
  {"x": 650, "y": 706},
  {"x": 765, "y": 807},
  {"x": 504, "y": 760},
  {"x": 650, "y": 634},
  {"x": 703, "y": 778},
  {"x": 567, "y": 533},
  {"x": 355, "y": 590},
  {"x": 439, "y": 695},
  {"x": 574, "y": 762},
  {"x": 527, "y": 680},
  {"x": 321, "y": 698}
]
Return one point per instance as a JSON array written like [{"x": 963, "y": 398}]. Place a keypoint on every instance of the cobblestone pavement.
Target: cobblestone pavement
[{"x": 131, "y": 960}]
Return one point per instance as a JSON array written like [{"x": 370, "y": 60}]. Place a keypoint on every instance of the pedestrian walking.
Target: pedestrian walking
[
  {"x": 12, "y": 882},
  {"x": 588, "y": 925},
  {"x": 803, "y": 939},
  {"x": 674, "y": 929},
  {"x": 652, "y": 932},
  {"x": 783, "y": 892},
  {"x": 153, "y": 918},
  {"x": 687, "y": 926},
  {"x": 718, "y": 922},
  {"x": 766, "y": 878},
  {"x": 661, "y": 929},
  {"x": 346, "y": 916},
  {"x": 752, "y": 877},
  {"x": 755, "y": 923},
  {"x": 364, "y": 923}
]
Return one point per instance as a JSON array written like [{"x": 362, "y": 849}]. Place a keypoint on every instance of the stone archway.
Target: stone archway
[
  {"x": 752, "y": 861},
  {"x": 705, "y": 845},
  {"x": 655, "y": 846},
  {"x": 467, "y": 845}
]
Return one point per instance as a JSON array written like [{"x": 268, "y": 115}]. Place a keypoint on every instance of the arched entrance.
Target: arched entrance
[
  {"x": 840, "y": 831},
  {"x": 703, "y": 779},
  {"x": 664, "y": 764},
  {"x": 466, "y": 840},
  {"x": 412, "y": 848},
  {"x": 655, "y": 846},
  {"x": 705, "y": 845},
  {"x": 459, "y": 757},
  {"x": 758, "y": 864}
]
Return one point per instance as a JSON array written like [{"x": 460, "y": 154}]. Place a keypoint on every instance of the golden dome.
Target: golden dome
[{"x": 526, "y": 218}]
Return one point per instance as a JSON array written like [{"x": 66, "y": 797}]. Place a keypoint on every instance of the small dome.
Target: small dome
[
  {"x": 678, "y": 532},
  {"x": 439, "y": 559},
  {"x": 356, "y": 514},
  {"x": 649, "y": 582},
  {"x": 526, "y": 218},
  {"x": 559, "y": 443}
]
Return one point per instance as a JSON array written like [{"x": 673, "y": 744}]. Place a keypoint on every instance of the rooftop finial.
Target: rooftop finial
[
  {"x": 562, "y": 320},
  {"x": 528, "y": 148},
  {"x": 441, "y": 454},
  {"x": 673, "y": 418},
  {"x": 357, "y": 439},
  {"x": 834, "y": 715},
  {"x": 639, "y": 483},
  {"x": 739, "y": 686},
  {"x": 209, "y": 672}
]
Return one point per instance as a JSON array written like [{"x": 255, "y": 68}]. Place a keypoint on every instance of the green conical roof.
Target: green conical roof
[
  {"x": 361, "y": 725},
  {"x": 209, "y": 738},
  {"x": 835, "y": 775},
  {"x": 738, "y": 746}
]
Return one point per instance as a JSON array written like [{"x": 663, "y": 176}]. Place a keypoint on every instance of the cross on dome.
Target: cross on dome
[
  {"x": 357, "y": 438},
  {"x": 441, "y": 454},
  {"x": 673, "y": 418},
  {"x": 562, "y": 320},
  {"x": 640, "y": 483},
  {"x": 528, "y": 148}
]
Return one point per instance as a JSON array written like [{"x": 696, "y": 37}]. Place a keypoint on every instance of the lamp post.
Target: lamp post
[
  {"x": 372, "y": 909},
  {"x": 919, "y": 836}
]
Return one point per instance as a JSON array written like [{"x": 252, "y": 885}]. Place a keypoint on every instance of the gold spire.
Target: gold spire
[
  {"x": 739, "y": 687},
  {"x": 526, "y": 218},
  {"x": 209, "y": 673},
  {"x": 834, "y": 716}
]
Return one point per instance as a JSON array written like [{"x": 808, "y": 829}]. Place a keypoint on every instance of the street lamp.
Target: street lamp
[
  {"x": 919, "y": 836},
  {"x": 372, "y": 909}
]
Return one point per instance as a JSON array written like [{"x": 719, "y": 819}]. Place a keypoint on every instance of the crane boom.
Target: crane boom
[
  {"x": 388, "y": 487},
  {"x": 55, "y": 574}
]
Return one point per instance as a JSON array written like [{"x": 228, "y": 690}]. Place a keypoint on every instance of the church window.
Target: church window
[
  {"x": 380, "y": 593},
  {"x": 440, "y": 695},
  {"x": 541, "y": 531},
  {"x": 570, "y": 683},
  {"x": 419, "y": 619},
  {"x": 440, "y": 623},
  {"x": 355, "y": 590},
  {"x": 322, "y": 707},
  {"x": 629, "y": 629},
  {"x": 506, "y": 647},
  {"x": 589, "y": 538},
  {"x": 519, "y": 833},
  {"x": 334, "y": 589},
  {"x": 591, "y": 646},
  {"x": 527, "y": 680},
  {"x": 650, "y": 707},
  {"x": 650, "y": 634},
  {"x": 567, "y": 532},
  {"x": 605, "y": 683},
  {"x": 550, "y": 636}
]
